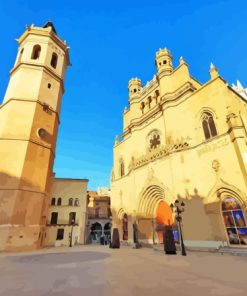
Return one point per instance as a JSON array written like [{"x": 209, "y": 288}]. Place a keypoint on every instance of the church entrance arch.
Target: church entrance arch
[
  {"x": 234, "y": 221},
  {"x": 154, "y": 213}
]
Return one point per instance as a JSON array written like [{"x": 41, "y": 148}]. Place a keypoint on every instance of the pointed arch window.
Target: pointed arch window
[
  {"x": 71, "y": 202},
  {"x": 121, "y": 164},
  {"x": 54, "y": 59},
  {"x": 208, "y": 125},
  {"x": 53, "y": 201},
  {"x": 59, "y": 201},
  {"x": 36, "y": 52}
]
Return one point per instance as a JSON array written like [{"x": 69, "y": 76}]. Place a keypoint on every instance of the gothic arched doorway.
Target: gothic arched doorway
[
  {"x": 96, "y": 232},
  {"x": 125, "y": 227},
  {"x": 163, "y": 218},
  {"x": 234, "y": 221}
]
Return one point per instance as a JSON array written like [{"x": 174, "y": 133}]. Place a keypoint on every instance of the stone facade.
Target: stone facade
[
  {"x": 67, "y": 212},
  {"x": 186, "y": 141},
  {"x": 99, "y": 215}
]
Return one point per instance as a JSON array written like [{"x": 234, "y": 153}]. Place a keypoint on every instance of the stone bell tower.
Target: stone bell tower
[{"x": 29, "y": 120}]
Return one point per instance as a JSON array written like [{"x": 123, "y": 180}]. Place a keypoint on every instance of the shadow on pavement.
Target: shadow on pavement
[{"x": 59, "y": 258}]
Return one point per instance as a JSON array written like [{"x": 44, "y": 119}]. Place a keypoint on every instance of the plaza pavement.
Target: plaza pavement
[{"x": 98, "y": 270}]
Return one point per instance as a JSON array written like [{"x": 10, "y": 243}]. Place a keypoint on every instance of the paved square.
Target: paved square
[{"x": 98, "y": 270}]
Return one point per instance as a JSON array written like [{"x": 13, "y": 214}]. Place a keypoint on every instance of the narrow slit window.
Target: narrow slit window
[{"x": 121, "y": 168}]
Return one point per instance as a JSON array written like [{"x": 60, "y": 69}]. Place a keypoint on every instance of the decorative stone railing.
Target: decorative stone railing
[
  {"x": 157, "y": 153},
  {"x": 149, "y": 85}
]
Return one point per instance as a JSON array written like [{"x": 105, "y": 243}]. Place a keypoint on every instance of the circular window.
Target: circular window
[
  {"x": 42, "y": 132},
  {"x": 153, "y": 140}
]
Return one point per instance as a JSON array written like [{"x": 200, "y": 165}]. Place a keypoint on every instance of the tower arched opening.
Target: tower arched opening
[{"x": 36, "y": 52}]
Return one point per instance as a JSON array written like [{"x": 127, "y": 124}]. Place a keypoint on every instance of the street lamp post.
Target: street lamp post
[
  {"x": 178, "y": 209},
  {"x": 72, "y": 223}
]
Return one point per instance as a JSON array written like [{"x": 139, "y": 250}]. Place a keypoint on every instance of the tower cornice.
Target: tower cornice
[
  {"x": 35, "y": 65},
  {"x": 31, "y": 101}
]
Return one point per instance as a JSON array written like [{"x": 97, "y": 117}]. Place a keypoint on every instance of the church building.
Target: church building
[{"x": 182, "y": 141}]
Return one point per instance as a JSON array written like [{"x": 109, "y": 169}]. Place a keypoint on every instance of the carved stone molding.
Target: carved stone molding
[
  {"x": 222, "y": 188},
  {"x": 160, "y": 152}
]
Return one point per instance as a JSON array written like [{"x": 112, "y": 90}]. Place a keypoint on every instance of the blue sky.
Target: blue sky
[{"x": 111, "y": 42}]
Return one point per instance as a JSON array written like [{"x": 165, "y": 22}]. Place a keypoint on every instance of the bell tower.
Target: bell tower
[
  {"x": 163, "y": 62},
  {"x": 29, "y": 120}
]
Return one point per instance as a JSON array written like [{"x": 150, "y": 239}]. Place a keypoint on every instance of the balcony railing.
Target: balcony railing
[
  {"x": 61, "y": 223},
  {"x": 93, "y": 216}
]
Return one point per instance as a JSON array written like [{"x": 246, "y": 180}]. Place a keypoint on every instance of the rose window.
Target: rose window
[{"x": 154, "y": 141}]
